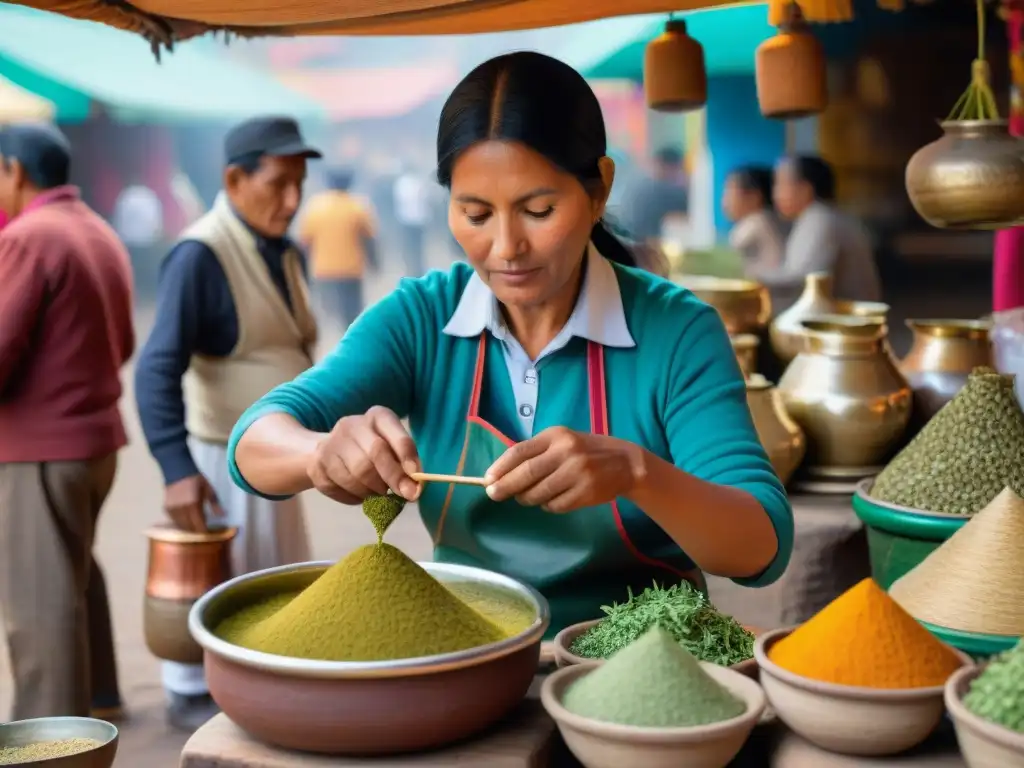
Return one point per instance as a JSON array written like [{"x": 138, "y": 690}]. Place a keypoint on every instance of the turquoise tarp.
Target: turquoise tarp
[{"x": 76, "y": 64}]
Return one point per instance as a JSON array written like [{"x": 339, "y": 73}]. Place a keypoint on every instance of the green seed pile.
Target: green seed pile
[
  {"x": 45, "y": 750},
  {"x": 684, "y": 612},
  {"x": 382, "y": 511},
  {"x": 997, "y": 694},
  {"x": 967, "y": 454}
]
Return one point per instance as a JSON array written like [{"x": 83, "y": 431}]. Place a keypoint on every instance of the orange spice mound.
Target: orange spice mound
[{"x": 864, "y": 638}]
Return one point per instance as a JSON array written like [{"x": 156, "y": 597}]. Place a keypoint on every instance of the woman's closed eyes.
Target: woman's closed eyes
[{"x": 477, "y": 219}]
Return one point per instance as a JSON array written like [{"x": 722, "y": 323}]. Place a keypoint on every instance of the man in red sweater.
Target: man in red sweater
[{"x": 65, "y": 331}]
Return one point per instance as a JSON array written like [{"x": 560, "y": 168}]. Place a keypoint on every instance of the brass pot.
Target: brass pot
[
  {"x": 787, "y": 331},
  {"x": 745, "y": 346},
  {"x": 942, "y": 356},
  {"x": 845, "y": 391},
  {"x": 183, "y": 567},
  {"x": 743, "y": 305},
  {"x": 970, "y": 178},
  {"x": 782, "y": 438}
]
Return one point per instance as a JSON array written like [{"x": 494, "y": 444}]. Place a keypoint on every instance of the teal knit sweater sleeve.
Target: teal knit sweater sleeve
[
  {"x": 374, "y": 364},
  {"x": 710, "y": 431}
]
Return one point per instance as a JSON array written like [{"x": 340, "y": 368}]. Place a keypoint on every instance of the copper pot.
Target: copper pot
[
  {"x": 745, "y": 345},
  {"x": 970, "y": 178},
  {"x": 846, "y": 393},
  {"x": 787, "y": 331},
  {"x": 782, "y": 438},
  {"x": 942, "y": 356},
  {"x": 743, "y": 305},
  {"x": 183, "y": 566}
]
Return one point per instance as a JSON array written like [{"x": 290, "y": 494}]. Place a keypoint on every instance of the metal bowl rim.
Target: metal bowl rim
[
  {"x": 112, "y": 737},
  {"x": 418, "y": 665}
]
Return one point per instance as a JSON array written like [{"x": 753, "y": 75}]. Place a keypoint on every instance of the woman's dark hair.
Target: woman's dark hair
[
  {"x": 817, "y": 173},
  {"x": 537, "y": 101},
  {"x": 755, "y": 178}
]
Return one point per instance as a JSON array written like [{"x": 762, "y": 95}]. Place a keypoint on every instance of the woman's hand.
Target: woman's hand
[
  {"x": 366, "y": 455},
  {"x": 562, "y": 470}
]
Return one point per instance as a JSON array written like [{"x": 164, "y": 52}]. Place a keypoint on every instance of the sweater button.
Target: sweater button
[{"x": 525, "y": 411}]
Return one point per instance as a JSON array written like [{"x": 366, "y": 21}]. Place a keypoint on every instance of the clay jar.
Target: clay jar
[
  {"x": 183, "y": 566},
  {"x": 846, "y": 393},
  {"x": 782, "y": 438},
  {"x": 943, "y": 354}
]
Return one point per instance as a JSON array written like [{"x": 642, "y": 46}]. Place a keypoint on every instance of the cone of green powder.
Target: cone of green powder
[{"x": 653, "y": 683}]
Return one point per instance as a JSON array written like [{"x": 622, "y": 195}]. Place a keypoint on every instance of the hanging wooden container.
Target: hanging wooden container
[
  {"x": 790, "y": 70},
  {"x": 675, "y": 79}
]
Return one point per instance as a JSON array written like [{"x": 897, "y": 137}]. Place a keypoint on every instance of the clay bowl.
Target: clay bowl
[
  {"x": 848, "y": 719},
  {"x": 24, "y": 732},
  {"x": 566, "y": 658},
  {"x": 984, "y": 744},
  {"x": 364, "y": 708},
  {"x": 598, "y": 744}
]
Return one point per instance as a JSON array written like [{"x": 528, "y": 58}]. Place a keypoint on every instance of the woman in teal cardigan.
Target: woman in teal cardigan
[{"x": 603, "y": 404}]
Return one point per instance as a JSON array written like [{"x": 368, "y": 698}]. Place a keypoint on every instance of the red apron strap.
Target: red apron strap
[
  {"x": 599, "y": 426},
  {"x": 478, "y": 378}
]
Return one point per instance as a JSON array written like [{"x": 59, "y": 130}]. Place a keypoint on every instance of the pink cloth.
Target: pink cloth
[
  {"x": 3, "y": 219},
  {"x": 1008, "y": 254}
]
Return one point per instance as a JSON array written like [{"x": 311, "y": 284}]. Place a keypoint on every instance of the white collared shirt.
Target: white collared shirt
[{"x": 598, "y": 316}]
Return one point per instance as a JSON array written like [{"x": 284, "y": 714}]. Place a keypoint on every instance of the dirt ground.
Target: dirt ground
[{"x": 133, "y": 505}]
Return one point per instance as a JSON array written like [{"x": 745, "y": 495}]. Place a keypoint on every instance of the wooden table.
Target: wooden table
[
  {"x": 830, "y": 555},
  {"x": 528, "y": 739}
]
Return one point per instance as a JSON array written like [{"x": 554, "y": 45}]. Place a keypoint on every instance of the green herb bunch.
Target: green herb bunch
[
  {"x": 997, "y": 694},
  {"x": 683, "y": 612}
]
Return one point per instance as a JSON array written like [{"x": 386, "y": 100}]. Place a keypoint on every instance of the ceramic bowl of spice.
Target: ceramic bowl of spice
[
  {"x": 59, "y": 742},
  {"x": 684, "y": 612},
  {"x": 987, "y": 707},
  {"x": 375, "y": 654},
  {"x": 653, "y": 705},
  {"x": 861, "y": 677}
]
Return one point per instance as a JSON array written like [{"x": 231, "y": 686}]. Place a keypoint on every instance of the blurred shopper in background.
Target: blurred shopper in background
[
  {"x": 412, "y": 210},
  {"x": 823, "y": 238},
  {"x": 338, "y": 230},
  {"x": 756, "y": 230},
  {"x": 653, "y": 198}
]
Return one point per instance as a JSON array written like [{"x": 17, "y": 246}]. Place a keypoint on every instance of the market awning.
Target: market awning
[
  {"x": 615, "y": 49},
  {"x": 18, "y": 104},
  {"x": 75, "y": 65},
  {"x": 367, "y": 94},
  {"x": 165, "y": 21}
]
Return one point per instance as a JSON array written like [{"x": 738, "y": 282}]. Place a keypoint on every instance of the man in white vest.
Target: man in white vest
[{"x": 233, "y": 320}]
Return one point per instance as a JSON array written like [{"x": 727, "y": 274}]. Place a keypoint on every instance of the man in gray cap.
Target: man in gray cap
[{"x": 233, "y": 321}]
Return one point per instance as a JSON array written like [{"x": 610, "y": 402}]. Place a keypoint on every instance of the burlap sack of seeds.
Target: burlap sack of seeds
[{"x": 970, "y": 451}]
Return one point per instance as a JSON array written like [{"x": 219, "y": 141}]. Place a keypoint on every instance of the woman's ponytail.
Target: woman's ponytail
[{"x": 611, "y": 247}]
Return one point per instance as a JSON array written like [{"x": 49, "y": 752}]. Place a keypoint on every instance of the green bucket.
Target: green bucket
[{"x": 900, "y": 537}]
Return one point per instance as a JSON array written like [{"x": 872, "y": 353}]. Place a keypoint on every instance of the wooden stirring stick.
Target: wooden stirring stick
[{"x": 428, "y": 477}]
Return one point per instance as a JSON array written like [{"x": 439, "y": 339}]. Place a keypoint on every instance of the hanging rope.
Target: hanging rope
[{"x": 978, "y": 102}]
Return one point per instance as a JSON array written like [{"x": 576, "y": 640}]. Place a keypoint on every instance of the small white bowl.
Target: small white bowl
[
  {"x": 597, "y": 744},
  {"x": 984, "y": 744},
  {"x": 849, "y": 719}
]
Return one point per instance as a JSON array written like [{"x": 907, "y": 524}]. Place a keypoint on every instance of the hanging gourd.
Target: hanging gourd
[
  {"x": 675, "y": 79},
  {"x": 792, "y": 80},
  {"x": 973, "y": 176}
]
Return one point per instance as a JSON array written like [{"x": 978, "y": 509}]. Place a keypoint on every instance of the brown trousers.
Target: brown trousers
[{"x": 53, "y": 598}]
